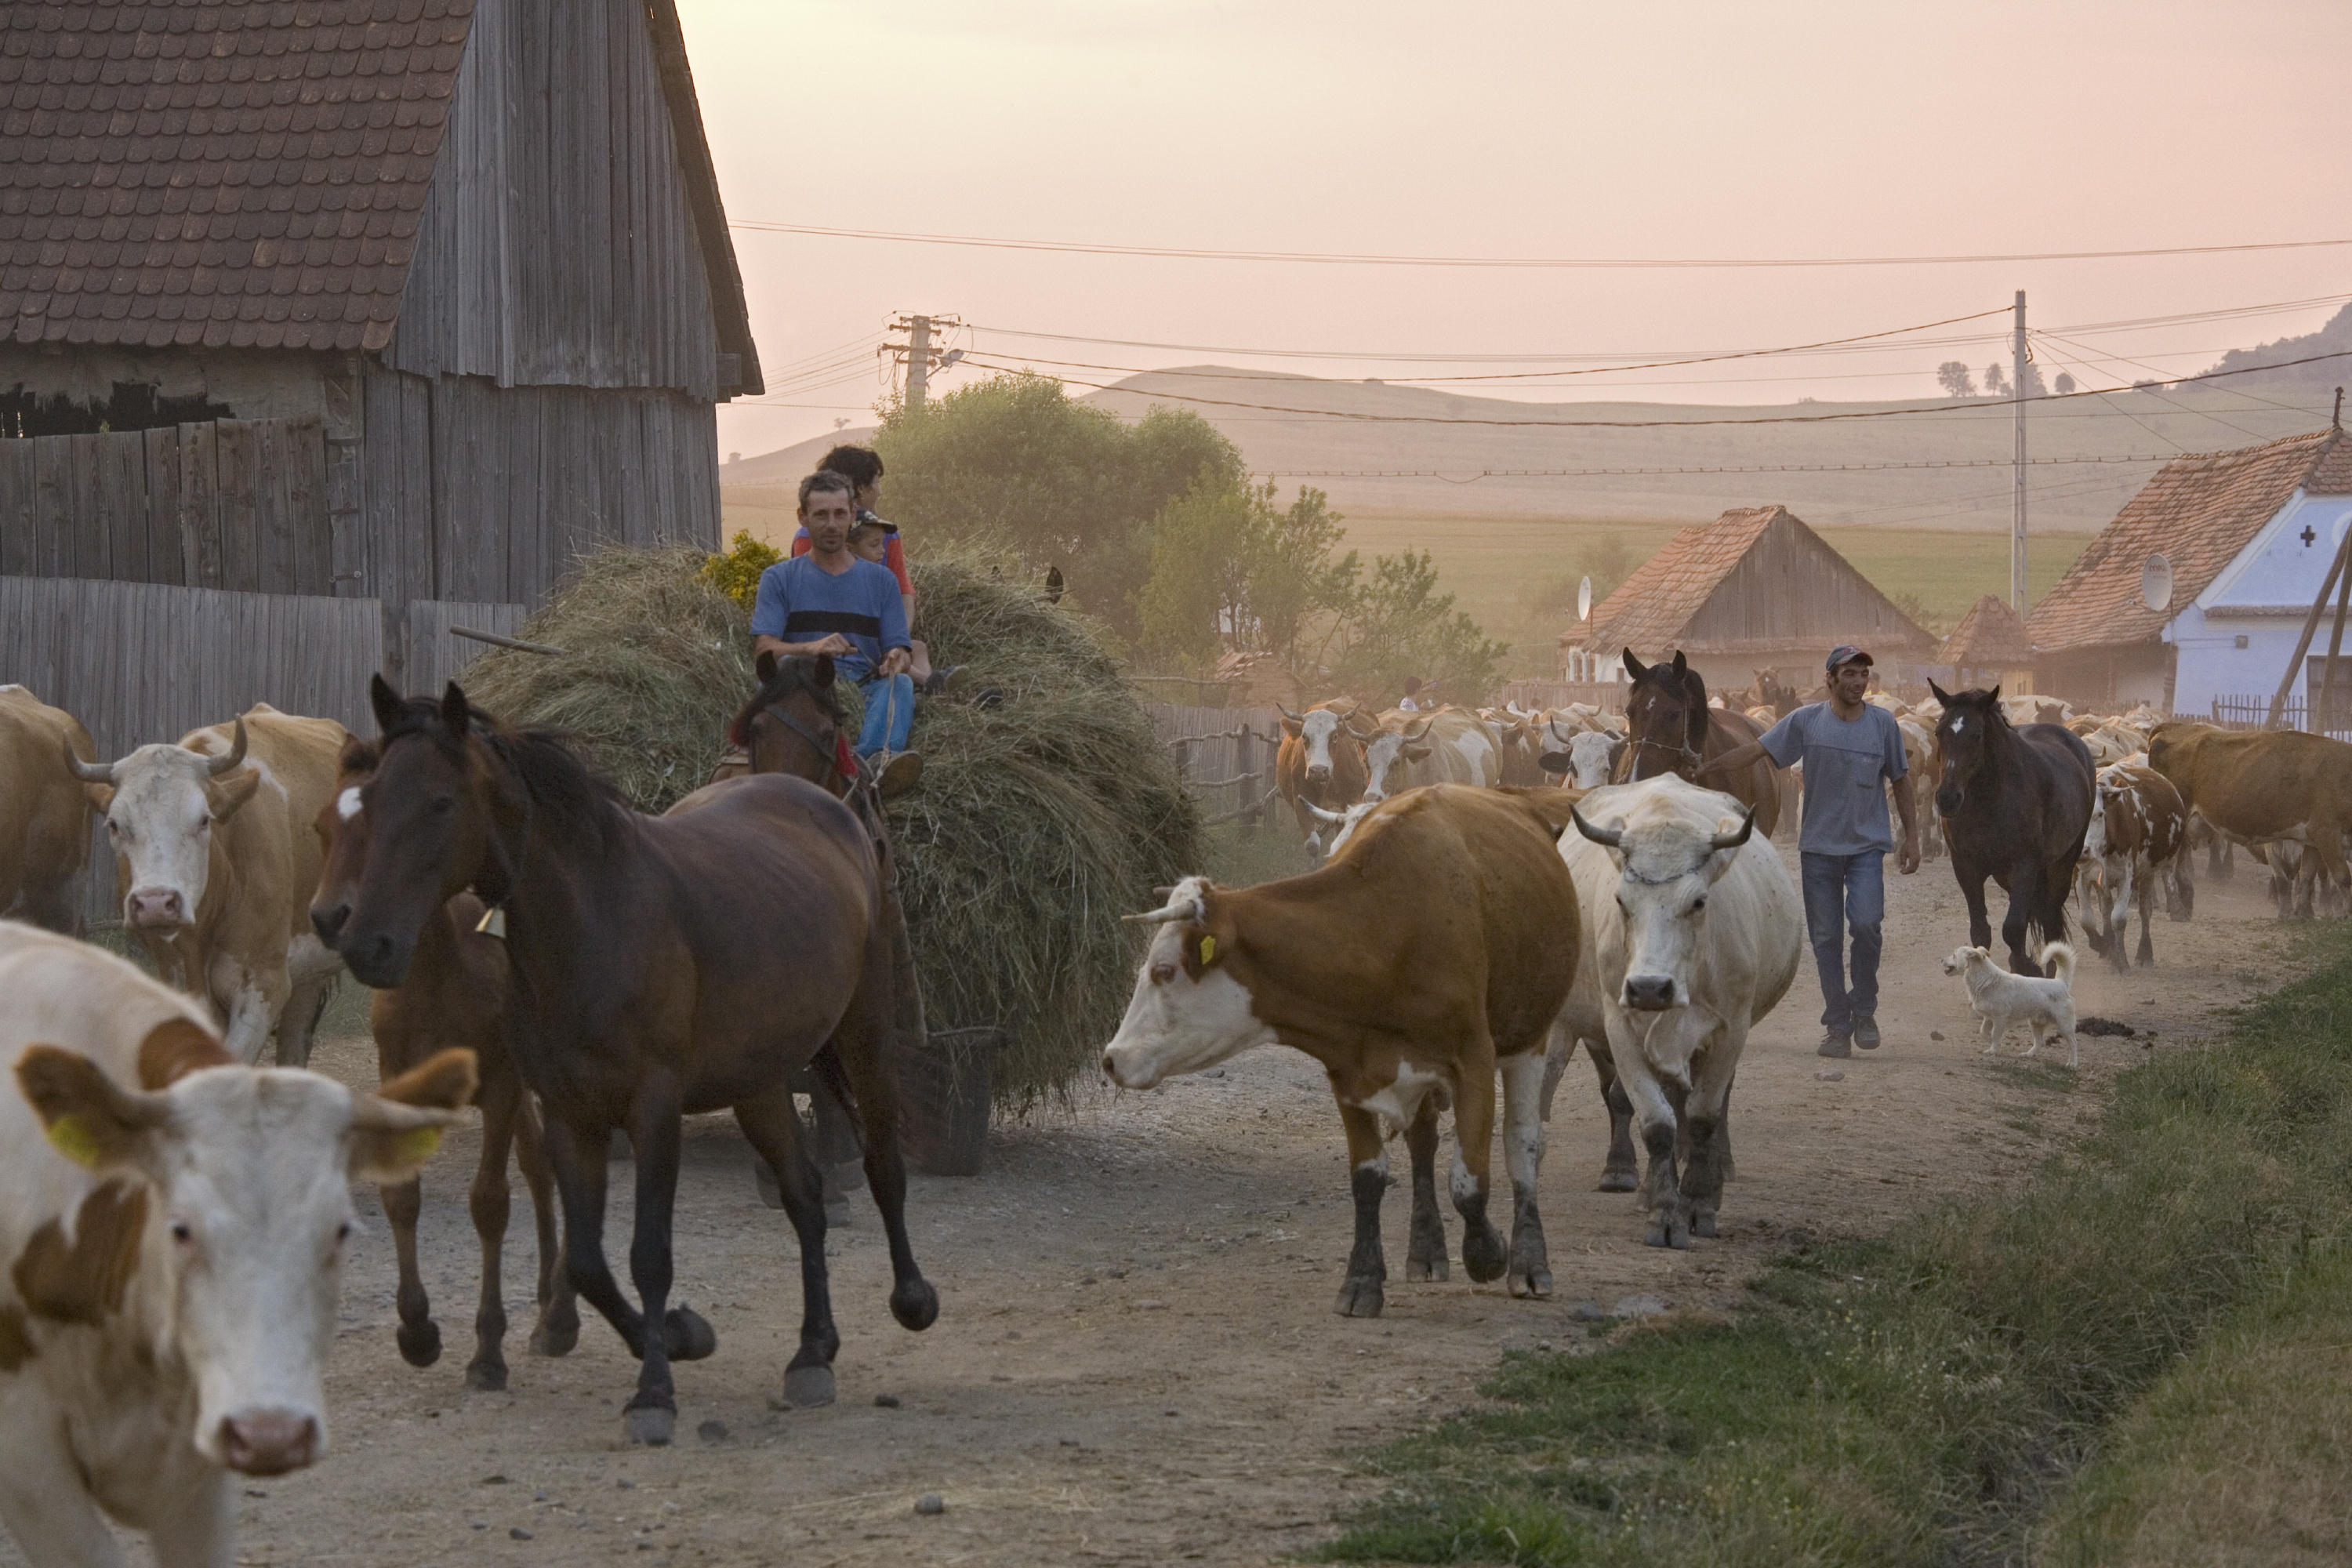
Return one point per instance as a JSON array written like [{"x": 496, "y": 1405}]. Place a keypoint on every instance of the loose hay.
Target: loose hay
[{"x": 1038, "y": 823}]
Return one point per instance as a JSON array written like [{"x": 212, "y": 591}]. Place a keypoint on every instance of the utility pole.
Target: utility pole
[
  {"x": 916, "y": 353},
  {"x": 2017, "y": 507}
]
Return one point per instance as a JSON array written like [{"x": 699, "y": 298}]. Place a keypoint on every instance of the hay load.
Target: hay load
[{"x": 1038, "y": 823}]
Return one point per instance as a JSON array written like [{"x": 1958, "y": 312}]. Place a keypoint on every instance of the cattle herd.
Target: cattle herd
[{"x": 1493, "y": 889}]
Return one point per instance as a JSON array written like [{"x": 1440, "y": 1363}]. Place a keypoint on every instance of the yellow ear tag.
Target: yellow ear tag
[
  {"x": 420, "y": 1143},
  {"x": 71, "y": 1137},
  {"x": 493, "y": 922},
  {"x": 1208, "y": 950}
]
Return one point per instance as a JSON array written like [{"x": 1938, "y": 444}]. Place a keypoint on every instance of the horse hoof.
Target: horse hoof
[
  {"x": 649, "y": 1424},
  {"x": 420, "y": 1343},
  {"x": 1360, "y": 1299},
  {"x": 1619, "y": 1180},
  {"x": 806, "y": 1387},
  {"x": 1536, "y": 1284},
  {"x": 916, "y": 1305},
  {"x": 1419, "y": 1269},
  {"x": 1482, "y": 1256},
  {"x": 686, "y": 1336},
  {"x": 487, "y": 1377},
  {"x": 1703, "y": 1224},
  {"x": 554, "y": 1339}
]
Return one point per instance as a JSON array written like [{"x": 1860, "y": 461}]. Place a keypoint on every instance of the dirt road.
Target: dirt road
[{"x": 1136, "y": 1359}]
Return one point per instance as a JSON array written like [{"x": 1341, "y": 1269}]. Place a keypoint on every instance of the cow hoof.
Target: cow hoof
[
  {"x": 553, "y": 1337},
  {"x": 649, "y": 1424},
  {"x": 1419, "y": 1269},
  {"x": 420, "y": 1343},
  {"x": 806, "y": 1387},
  {"x": 487, "y": 1377},
  {"x": 1703, "y": 1224},
  {"x": 1482, "y": 1256},
  {"x": 686, "y": 1336},
  {"x": 1674, "y": 1233},
  {"x": 1619, "y": 1180},
  {"x": 764, "y": 1176},
  {"x": 916, "y": 1305},
  {"x": 1535, "y": 1284},
  {"x": 1360, "y": 1299}
]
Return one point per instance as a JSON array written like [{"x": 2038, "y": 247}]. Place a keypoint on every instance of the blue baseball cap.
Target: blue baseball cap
[{"x": 1846, "y": 653}]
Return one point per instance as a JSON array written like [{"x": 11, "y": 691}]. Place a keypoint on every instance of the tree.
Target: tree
[
  {"x": 1996, "y": 383},
  {"x": 1397, "y": 624},
  {"x": 1229, "y": 570},
  {"x": 2064, "y": 383},
  {"x": 2029, "y": 384},
  {"x": 1956, "y": 379},
  {"x": 1012, "y": 463}
]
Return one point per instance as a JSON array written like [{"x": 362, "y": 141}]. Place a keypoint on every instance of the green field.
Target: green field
[{"x": 1508, "y": 573}]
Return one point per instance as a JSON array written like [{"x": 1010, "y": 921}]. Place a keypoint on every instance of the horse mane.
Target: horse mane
[
  {"x": 566, "y": 798},
  {"x": 792, "y": 673},
  {"x": 1695, "y": 716}
]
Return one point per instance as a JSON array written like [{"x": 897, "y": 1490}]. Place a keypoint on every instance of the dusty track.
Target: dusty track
[{"x": 1136, "y": 1358}]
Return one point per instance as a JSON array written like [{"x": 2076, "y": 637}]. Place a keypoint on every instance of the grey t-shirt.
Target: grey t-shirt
[{"x": 1847, "y": 765}]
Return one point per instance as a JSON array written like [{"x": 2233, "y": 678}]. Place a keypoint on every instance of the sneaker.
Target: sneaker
[
  {"x": 1836, "y": 1043},
  {"x": 942, "y": 681},
  {"x": 898, "y": 775},
  {"x": 1865, "y": 1032}
]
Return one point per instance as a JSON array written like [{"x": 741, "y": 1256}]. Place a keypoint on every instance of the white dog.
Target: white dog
[{"x": 2000, "y": 998}]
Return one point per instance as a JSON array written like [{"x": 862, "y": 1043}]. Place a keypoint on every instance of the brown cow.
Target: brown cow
[
  {"x": 2137, "y": 840},
  {"x": 1321, "y": 762},
  {"x": 2260, "y": 784},
  {"x": 455, "y": 994},
  {"x": 1434, "y": 949},
  {"x": 44, "y": 815}
]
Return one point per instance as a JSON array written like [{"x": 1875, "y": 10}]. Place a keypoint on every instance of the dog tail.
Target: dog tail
[{"x": 2059, "y": 959}]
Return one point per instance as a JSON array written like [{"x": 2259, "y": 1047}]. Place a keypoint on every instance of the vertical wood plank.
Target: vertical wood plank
[
  {"x": 159, "y": 454},
  {"x": 200, "y": 524}
]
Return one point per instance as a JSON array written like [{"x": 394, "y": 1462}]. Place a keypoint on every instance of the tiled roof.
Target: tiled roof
[
  {"x": 1989, "y": 636},
  {"x": 2199, "y": 512},
  {"x": 214, "y": 173},
  {"x": 1650, "y": 609}
]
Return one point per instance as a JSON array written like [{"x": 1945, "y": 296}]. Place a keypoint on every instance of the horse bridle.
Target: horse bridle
[{"x": 836, "y": 781}]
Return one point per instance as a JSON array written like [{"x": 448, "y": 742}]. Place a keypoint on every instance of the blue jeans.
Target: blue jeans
[
  {"x": 889, "y": 705},
  {"x": 1845, "y": 892}
]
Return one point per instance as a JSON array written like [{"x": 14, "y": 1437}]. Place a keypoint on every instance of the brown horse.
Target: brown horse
[
  {"x": 2016, "y": 802},
  {"x": 454, "y": 995},
  {"x": 648, "y": 982},
  {"x": 1675, "y": 732}
]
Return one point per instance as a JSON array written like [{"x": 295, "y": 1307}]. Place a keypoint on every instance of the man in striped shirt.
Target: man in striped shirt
[{"x": 830, "y": 602}]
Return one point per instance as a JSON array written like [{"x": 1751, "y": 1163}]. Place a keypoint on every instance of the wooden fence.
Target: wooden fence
[
  {"x": 239, "y": 504},
  {"x": 1224, "y": 755},
  {"x": 2254, "y": 712},
  {"x": 436, "y": 654},
  {"x": 1609, "y": 695}
]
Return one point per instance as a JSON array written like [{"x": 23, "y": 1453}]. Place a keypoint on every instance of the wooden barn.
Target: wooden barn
[
  {"x": 2247, "y": 537},
  {"x": 1752, "y": 591},
  {"x": 406, "y": 300},
  {"x": 1988, "y": 647}
]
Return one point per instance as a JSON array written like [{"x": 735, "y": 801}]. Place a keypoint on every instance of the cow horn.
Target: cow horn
[
  {"x": 1607, "y": 837},
  {"x": 1322, "y": 816},
  {"x": 1287, "y": 714},
  {"x": 88, "y": 773},
  {"x": 1733, "y": 840},
  {"x": 1181, "y": 909},
  {"x": 236, "y": 755},
  {"x": 1417, "y": 732},
  {"x": 1553, "y": 725}
]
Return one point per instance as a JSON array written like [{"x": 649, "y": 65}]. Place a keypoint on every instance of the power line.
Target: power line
[
  {"x": 1191, "y": 253},
  {"x": 1473, "y": 477}
]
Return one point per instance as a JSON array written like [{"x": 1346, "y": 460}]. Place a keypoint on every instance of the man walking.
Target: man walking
[
  {"x": 1853, "y": 753},
  {"x": 831, "y": 601}
]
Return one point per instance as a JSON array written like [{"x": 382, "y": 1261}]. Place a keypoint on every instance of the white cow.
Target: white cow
[
  {"x": 215, "y": 858},
  {"x": 174, "y": 1226},
  {"x": 1693, "y": 931},
  {"x": 1448, "y": 746}
]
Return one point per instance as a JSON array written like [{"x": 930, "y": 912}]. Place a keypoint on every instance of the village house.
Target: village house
[
  {"x": 2247, "y": 536},
  {"x": 1988, "y": 649},
  {"x": 1754, "y": 592}
]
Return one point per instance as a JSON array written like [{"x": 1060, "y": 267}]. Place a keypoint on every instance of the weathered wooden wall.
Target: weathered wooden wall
[
  {"x": 238, "y": 504},
  {"x": 435, "y": 655},
  {"x": 557, "y": 245},
  {"x": 1792, "y": 590}
]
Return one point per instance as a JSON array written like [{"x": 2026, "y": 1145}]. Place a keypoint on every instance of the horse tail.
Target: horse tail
[{"x": 2059, "y": 959}]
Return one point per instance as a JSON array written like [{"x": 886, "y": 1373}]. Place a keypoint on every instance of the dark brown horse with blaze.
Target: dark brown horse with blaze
[
  {"x": 651, "y": 978},
  {"x": 2016, "y": 802},
  {"x": 455, "y": 993},
  {"x": 1673, "y": 730}
]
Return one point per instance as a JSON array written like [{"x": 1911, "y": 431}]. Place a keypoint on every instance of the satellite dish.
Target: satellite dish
[
  {"x": 2156, "y": 582},
  {"x": 1584, "y": 600}
]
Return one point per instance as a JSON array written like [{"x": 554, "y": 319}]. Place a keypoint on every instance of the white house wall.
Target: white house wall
[{"x": 2263, "y": 597}]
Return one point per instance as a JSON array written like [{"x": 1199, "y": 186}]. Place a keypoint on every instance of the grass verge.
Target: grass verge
[{"x": 1923, "y": 1398}]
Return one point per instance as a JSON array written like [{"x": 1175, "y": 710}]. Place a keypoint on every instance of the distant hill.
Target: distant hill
[
  {"x": 2335, "y": 338},
  {"x": 787, "y": 465}
]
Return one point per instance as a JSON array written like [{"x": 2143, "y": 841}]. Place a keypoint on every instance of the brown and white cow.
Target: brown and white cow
[
  {"x": 172, "y": 1228},
  {"x": 1448, "y": 746},
  {"x": 2137, "y": 841},
  {"x": 215, "y": 857},
  {"x": 1434, "y": 949},
  {"x": 1321, "y": 762},
  {"x": 44, "y": 818}
]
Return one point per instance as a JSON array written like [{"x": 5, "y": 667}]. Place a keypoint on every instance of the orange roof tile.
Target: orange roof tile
[
  {"x": 2199, "y": 512},
  {"x": 1989, "y": 636},
  {"x": 1650, "y": 609}
]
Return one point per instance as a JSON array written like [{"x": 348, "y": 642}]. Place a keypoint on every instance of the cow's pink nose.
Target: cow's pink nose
[
  {"x": 1318, "y": 774},
  {"x": 268, "y": 1442},
  {"x": 156, "y": 907}
]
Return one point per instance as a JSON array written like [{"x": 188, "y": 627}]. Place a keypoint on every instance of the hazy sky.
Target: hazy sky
[{"x": 1554, "y": 129}]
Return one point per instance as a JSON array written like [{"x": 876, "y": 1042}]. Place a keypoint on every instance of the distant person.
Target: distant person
[
  {"x": 1410, "y": 702},
  {"x": 1852, "y": 754},
  {"x": 862, "y": 467},
  {"x": 830, "y": 601}
]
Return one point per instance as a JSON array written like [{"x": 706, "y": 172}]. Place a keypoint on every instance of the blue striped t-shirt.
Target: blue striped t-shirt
[{"x": 799, "y": 602}]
